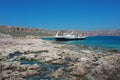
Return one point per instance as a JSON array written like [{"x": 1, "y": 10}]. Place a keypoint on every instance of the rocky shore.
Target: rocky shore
[{"x": 36, "y": 59}]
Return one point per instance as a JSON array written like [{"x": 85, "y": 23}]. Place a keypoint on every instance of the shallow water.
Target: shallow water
[
  {"x": 45, "y": 70},
  {"x": 110, "y": 42},
  {"x": 37, "y": 77}
]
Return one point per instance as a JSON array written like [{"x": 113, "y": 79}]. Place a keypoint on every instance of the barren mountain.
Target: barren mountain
[
  {"x": 23, "y": 32},
  {"x": 104, "y": 33}
]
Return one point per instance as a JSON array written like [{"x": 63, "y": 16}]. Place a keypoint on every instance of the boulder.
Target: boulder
[
  {"x": 4, "y": 65},
  {"x": 6, "y": 74},
  {"x": 29, "y": 57},
  {"x": 59, "y": 61},
  {"x": 58, "y": 73},
  {"x": 15, "y": 65},
  {"x": 108, "y": 69},
  {"x": 28, "y": 73},
  {"x": 33, "y": 67}
]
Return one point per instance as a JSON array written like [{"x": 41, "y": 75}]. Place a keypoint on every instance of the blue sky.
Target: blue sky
[{"x": 61, "y": 14}]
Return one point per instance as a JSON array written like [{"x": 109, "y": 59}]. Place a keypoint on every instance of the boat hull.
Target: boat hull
[{"x": 68, "y": 39}]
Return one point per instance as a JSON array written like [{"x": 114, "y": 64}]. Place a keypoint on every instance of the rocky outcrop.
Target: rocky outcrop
[
  {"x": 108, "y": 69},
  {"x": 18, "y": 70},
  {"x": 23, "y": 58}
]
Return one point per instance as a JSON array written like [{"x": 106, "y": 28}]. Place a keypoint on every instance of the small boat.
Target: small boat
[{"x": 69, "y": 36}]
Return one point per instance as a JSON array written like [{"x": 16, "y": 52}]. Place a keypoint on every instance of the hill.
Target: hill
[
  {"x": 104, "y": 33},
  {"x": 14, "y": 31},
  {"x": 23, "y": 32}
]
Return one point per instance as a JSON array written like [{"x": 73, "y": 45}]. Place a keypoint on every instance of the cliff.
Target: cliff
[{"x": 22, "y": 32}]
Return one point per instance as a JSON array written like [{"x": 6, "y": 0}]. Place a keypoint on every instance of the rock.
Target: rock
[
  {"x": 4, "y": 65},
  {"x": 46, "y": 57},
  {"x": 6, "y": 73},
  {"x": 0, "y": 78},
  {"x": 15, "y": 73},
  {"x": 15, "y": 65},
  {"x": 23, "y": 67},
  {"x": 79, "y": 69},
  {"x": 59, "y": 61},
  {"x": 87, "y": 51},
  {"x": 34, "y": 67},
  {"x": 58, "y": 73},
  {"x": 23, "y": 74},
  {"x": 108, "y": 69},
  {"x": 29, "y": 57},
  {"x": 113, "y": 50},
  {"x": 74, "y": 63},
  {"x": 28, "y": 73},
  {"x": 84, "y": 58}
]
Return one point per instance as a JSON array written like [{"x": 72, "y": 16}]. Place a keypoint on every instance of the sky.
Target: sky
[{"x": 61, "y": 14}]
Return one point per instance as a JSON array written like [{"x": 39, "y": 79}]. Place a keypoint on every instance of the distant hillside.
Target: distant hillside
[
  {"x": 104, "y": 33},
  {"x": 7, "y": 31},
  {"x": 22, "y": 32},
  {"x": 94, "y": 33}
]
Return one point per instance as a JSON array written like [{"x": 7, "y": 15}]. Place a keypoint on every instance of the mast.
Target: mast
[
  {"x": 57, "y": 34},
  {"x": 72, "y": 32}
]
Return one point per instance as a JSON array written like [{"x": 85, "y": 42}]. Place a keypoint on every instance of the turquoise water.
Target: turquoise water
[
  {"x": 45, "y": 69},
  {"x": 111, "y": 42}
]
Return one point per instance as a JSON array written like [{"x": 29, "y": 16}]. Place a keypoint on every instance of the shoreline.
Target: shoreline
[
  {"x": 24, "y": 59},
  {"x": 102, "y": 45}
]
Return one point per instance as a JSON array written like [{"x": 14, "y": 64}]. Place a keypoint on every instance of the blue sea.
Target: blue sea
[{"x": 110, "y": 42}]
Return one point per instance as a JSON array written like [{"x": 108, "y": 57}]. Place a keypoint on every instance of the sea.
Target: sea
[{"x": 108, "y": 42}]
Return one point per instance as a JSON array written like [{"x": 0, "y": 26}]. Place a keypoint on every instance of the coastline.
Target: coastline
[{"x": 68, "y": 62}]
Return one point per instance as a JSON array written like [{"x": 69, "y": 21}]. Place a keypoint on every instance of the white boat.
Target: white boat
[{"x": 69, "y": 36}]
